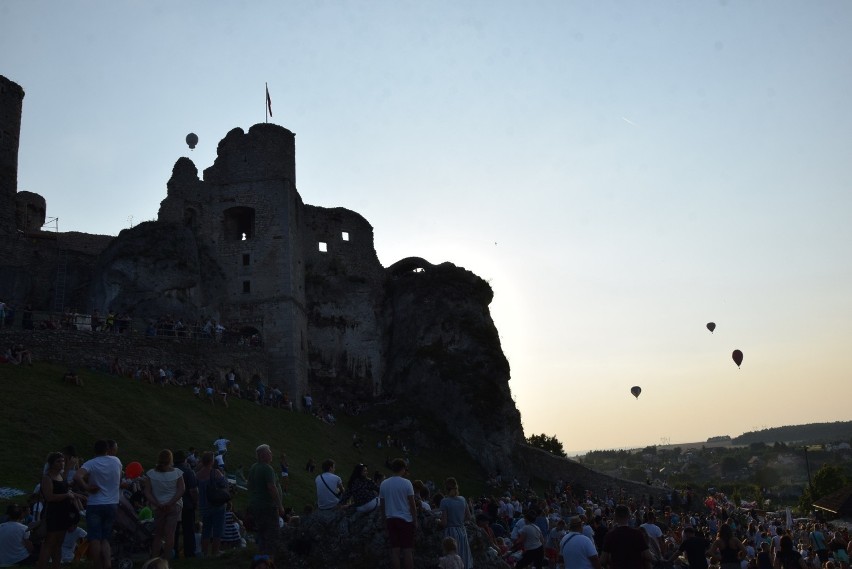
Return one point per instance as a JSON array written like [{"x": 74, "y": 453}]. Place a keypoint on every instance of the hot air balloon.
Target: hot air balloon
[
  {"x": 636, "y": 390},
  {"x": 738, "y": 357},
  {"x": 711, "y": 326},
  {"x": 191, "y": 140}
]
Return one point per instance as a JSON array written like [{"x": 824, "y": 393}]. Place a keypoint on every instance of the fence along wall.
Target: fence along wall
[{"x": 96, "y": 351}]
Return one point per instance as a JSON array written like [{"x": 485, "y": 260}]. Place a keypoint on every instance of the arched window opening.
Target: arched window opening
[{"x": 239, "y": 224}]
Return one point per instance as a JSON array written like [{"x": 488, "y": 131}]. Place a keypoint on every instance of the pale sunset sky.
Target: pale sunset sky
[{"x": 621, "y": 173}]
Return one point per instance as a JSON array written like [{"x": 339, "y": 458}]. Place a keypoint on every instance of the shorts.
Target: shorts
[
  {"x": 400, "y": 533},
  {"x": 99, "y": 520},
  {"x": 551, "y": 554},
  {"x": 166, "y": 522},
  {"x": 213, "y": 522}
]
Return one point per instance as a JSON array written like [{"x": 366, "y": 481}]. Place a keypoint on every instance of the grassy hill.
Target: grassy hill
[{"x": 42, "y": 414}]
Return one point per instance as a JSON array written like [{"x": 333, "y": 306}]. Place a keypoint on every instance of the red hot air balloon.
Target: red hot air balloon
[
  {"x": 711, "y": 326},
  {"x": 636, "y": 390},
  {"x": 738, "y": 357}
]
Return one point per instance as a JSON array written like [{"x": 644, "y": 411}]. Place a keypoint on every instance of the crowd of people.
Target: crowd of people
[
  {"x": 115, "y": 322},
  {"x": 16, "y": 354},
  {"x": 184, "y": 505}
]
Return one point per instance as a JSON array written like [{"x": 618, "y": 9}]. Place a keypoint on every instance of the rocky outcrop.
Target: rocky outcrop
[
  {"x": 155, "y": 269},
  {"x": 444, "y": 356}
]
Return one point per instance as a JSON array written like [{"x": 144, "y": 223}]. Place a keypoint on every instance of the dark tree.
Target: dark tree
[{"x": 550, "y": 444}]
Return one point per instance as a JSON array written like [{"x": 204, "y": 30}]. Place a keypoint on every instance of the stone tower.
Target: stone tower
[
  {"x": 248, "y": 209},
  {"x": 11, "y": 106}
]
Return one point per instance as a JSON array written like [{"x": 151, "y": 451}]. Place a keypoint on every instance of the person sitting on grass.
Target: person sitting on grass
[
  {"x": 18, "y": 550},
  {"x": 72, "y": 378}
]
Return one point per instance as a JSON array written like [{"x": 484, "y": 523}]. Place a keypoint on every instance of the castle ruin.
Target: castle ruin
[{"x": 239, "y": 246}]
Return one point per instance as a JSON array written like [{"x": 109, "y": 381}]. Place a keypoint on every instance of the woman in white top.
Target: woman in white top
[{"x": 164, "y": 489}]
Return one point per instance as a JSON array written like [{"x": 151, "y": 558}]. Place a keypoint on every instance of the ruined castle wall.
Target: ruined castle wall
[
  {"x": 186, "y": 199},
  {"x": 11, "y": 106},
  {"x": 30, "y": 211},
  {"x": 250, "y": 211},
  {"x": 29, "y": 271},
  {"x": 96, "y": 350},
  {"x": 344, "y": 286},
  {"x": 339, "y": 240},
  {"x": 267, "y": 151},
  {"x": 85, "y": 243},
  {"x": 537, "y": 463}
]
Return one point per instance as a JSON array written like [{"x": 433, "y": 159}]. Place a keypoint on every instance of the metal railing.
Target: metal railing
[{"x": 235, "y": 333}]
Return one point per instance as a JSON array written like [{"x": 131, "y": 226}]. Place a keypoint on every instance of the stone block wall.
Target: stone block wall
[
  {"x": 345, "y": 294},
  {"x": 11, "y": 106},
  {"x": 96, "y": 350},
  {"x": 30, "y": 211},
  {"x": 340, "y": 241},
  {"x": 267, "y": 151},
  {"x": 537, "y": 463}
]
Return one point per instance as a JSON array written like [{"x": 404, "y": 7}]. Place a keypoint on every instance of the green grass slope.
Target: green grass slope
[{"x": 41, "y": 414}]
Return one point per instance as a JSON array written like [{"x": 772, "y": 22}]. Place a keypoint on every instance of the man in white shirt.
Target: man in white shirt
[
  {"x": 653, "y": 530},
  {"x": 578, "y": 551},
  {"x": 101, "y": 477},
  {"x": 329, "y": 487},
  {"x": 396, "y": 501}
]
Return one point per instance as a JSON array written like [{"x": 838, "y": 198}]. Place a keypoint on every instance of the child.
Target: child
[
  {"x": 232, "y": 537},
  {"x": 451, "y": 559},
  {"x": 72, "y": 542}
]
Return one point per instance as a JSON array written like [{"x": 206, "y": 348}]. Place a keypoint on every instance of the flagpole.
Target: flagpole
[{"x": 265, "y": 104}]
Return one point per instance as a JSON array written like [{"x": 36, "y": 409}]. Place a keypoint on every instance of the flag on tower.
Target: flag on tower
[{"x": 268, "y": 101}]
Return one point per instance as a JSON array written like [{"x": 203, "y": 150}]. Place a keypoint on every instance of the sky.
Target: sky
[{"x": 621, "y": 173}]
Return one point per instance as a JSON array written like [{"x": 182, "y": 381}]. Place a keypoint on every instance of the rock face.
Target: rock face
[
  {"x": 240, "y": 247},
  {"x": 445, "y": 354},
  {"x": 156, "y": 268}
]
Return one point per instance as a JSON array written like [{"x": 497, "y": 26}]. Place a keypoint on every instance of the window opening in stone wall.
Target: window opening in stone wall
[
  {"x": 250, "y": 336},
  {"x": 246, "y": 259},
  {"x": 323, "y": 247},
  {"x": 246, "y": 287},
  {"x": 345, "y": 235},
  {"x": 238, "y": 224}
]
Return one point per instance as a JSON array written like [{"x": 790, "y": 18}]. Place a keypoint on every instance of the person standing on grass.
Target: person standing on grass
[
  {"x": 397, "y": 502},
  {"x": 264, "y": 500},
  {"x": 60, "y": 510},
  {"x": 164, "y": 489},
  {"x": 212, "y": 516},
  {"x": 190, "y": 504},
  {"x": 101, "y": 477},
  {"x": 624, "y": 547}
]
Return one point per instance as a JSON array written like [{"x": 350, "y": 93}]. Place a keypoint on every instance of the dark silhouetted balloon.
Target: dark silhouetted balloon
[
  {"x": 738, "y": 357},
  {"x": 711, "y": 326},
  {"x": 636, "y": 390},
  {"x": 191, "y": 140}
]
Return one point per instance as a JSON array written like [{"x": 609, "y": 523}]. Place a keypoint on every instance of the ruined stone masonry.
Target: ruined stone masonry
[{"x": 237, "y": 245}]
